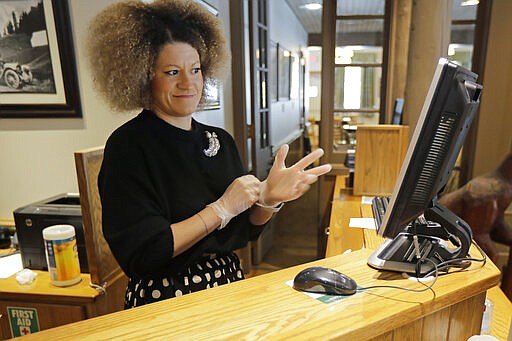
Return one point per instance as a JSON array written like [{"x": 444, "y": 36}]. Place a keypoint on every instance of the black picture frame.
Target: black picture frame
[
  {"x": 31, "y": 103},
  {"x": 284, "y": 68},
  {"x": 208, "y": 6},
  {"x": 274, "y": 74},
  {"x": 212, "y": 91}
]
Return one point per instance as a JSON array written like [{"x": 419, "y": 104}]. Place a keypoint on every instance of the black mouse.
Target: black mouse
[{"x": 322, "y": 280}]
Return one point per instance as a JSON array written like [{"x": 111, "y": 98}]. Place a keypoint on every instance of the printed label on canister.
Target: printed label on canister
[{"x": 62, "y": 254}]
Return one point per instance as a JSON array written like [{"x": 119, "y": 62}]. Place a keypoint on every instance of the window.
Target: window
[
  {"x": 462, "y": 32},
  {"x": 358, "y": 64},
  {"x": 460, "y": 51}
]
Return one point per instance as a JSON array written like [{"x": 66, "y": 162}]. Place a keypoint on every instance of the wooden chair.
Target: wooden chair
[{"x": 106, "y": 274}]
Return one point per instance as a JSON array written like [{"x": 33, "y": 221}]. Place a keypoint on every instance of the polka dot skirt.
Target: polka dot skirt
[{"x": 209, "y": 272}]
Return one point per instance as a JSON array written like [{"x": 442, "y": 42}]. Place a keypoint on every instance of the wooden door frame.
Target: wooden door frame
[
  {"x": 239, "y": 64},
  {"x": 247, "y": 122},
  {"x": 482, "y": 27}
]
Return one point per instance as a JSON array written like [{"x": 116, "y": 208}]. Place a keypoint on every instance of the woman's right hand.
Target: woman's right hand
[
  {"x": 241, "y": 194},
  {"x": 289, "y": 183}
]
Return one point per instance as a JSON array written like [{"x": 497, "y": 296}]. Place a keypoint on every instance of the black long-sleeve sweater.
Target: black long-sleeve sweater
[{"x": 153, "y": 175}]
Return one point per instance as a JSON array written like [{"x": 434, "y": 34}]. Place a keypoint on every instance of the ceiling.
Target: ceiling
[{"x": 312, "y": 19}]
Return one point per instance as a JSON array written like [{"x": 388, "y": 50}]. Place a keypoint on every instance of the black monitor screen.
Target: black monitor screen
[
  {"x": 449, "y": 108},
  {"x": 447, "y": 113}
]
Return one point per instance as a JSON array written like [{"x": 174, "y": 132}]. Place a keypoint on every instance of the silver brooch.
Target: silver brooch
[{"x": 213, "y": 144}]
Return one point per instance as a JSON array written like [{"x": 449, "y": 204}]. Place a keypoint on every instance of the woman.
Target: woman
[{"x": 176, "y": 199}]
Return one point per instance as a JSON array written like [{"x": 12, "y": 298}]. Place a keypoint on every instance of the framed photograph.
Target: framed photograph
[
  {"x": 294, "y": 76},
  {"x": 284, "y": 65},
  {"x": 212, "y": 97},
  {"x": 37, "y": 60},
  {"x": 212, "y": 91},
  {"x": 208, "y": 6},
  {"x": 274, "y": 80}
]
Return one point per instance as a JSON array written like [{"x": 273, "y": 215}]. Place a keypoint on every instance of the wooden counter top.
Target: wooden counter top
[
  {"x": 344, "y": 206},
  {"x": 10, "y": 289},
  {"x": 266, "y": 307},
  {"x": 501, "y": 315}
]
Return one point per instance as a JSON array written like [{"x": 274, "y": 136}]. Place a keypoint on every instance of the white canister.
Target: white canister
[{"x": 62, "y": 255}]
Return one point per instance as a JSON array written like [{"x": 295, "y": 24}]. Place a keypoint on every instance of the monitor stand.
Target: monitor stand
[{"x": 437, "y": 244}]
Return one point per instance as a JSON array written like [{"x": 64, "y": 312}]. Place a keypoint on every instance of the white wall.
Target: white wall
[
  {"x": 286, "y": 30},
  {"x": 36, "y": 155}
]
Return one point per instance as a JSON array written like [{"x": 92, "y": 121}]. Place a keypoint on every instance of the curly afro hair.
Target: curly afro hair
[{"x": 125, "y": 39}]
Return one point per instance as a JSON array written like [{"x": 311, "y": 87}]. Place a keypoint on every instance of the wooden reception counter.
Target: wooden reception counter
[{"x": 266, "y": 307}]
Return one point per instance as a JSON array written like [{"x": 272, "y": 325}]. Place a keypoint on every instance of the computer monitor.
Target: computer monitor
[{"x": 450, "y": 105}]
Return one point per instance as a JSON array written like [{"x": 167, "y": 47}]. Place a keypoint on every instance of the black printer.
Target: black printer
[{"x": 30, "y": 221}]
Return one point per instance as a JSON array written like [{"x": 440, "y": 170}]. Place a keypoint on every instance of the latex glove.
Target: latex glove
[
  {"x": 238, "y": 197},
  {"x": 287, "y": 184}
]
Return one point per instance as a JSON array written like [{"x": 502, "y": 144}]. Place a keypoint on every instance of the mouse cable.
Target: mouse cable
[{"x": 427, "y": 287}]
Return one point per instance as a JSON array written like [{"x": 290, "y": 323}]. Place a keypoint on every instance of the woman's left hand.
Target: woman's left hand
[{"x": 287, "y": 184}]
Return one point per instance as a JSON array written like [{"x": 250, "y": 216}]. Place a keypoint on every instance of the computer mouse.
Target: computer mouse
[{"x": 322, "y": 280}]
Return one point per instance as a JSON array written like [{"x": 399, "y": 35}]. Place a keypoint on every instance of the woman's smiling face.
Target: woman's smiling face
[{"x": 177, "y": 85}]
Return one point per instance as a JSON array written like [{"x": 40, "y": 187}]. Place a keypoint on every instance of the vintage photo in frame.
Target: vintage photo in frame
[
  {"x": 37, "y": 60},
  {"x": 212, "y": 90},
  {"x": 284, "y": 65},
  {"x": 274, "y": 78},
  {"x": 212, "y": 97}
]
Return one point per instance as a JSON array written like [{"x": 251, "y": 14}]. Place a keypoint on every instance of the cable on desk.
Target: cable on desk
[
  {"x": 463, "y": 263},
  {"x": 102, "y": 289},
  {"x": 466, "y": 262},
  {"x": 427, "y": 287}
]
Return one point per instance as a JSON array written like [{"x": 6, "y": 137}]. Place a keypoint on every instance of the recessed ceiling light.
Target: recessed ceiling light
[
  {"x": 469, "y": 3},
  {"x": 312, "y": 6}
]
